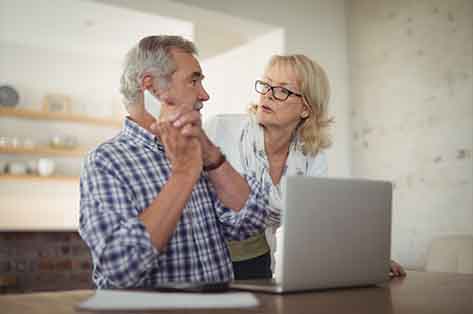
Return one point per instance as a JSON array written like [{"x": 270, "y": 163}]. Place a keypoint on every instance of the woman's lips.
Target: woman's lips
[{"x": 266, "y": 108}]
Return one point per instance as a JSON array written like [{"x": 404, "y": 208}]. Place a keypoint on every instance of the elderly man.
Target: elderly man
[{"x": 159, "y": 200}]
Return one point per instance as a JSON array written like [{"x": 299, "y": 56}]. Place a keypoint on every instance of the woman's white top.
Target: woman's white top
[{"x": 241, "y": 138}]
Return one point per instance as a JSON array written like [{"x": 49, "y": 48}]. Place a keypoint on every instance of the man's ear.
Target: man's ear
[{"x": 147, "y": 82}]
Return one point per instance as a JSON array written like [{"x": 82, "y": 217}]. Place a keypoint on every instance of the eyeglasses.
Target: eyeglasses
[{"x": 279, "y": 93}]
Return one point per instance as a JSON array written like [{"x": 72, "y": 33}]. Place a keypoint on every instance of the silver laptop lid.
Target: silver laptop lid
[{"x": 337, "y": 233}]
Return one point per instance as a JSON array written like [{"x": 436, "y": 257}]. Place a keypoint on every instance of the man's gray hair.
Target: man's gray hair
[{"x": 151, "y": 55}]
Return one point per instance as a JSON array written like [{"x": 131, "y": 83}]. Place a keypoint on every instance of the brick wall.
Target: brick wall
[{"x": 45, "y": 261}]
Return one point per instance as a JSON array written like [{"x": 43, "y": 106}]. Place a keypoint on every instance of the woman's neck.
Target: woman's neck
[
  {"x": 276, "y": 144},
  {"x": 277, "y": 141}
]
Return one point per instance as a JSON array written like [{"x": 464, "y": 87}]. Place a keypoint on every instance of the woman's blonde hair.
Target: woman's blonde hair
[{"x": 315, "y": 89}]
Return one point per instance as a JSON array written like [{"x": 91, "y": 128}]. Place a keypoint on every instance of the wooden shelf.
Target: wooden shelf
[
  {"x": 58, "y": 116},
  {"x": 31, "y": 177},
  {"x": 43, "y": 151}
]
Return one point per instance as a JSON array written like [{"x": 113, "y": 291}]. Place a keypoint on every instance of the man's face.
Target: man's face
[{"x": 185, "y": 86}]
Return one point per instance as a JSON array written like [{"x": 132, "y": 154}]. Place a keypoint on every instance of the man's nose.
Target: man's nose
[{"x": 203, "y": 96}]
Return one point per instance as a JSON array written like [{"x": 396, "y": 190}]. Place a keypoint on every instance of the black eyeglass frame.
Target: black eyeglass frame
[{"x": 271, "y": 88}]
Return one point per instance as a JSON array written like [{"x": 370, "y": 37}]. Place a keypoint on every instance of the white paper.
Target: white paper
[
  {"x": 137, "y": 300},
  {"x": 152, "y": 104}
]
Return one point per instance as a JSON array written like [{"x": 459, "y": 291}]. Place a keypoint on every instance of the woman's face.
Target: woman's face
[{"x": 285, "y": 114}]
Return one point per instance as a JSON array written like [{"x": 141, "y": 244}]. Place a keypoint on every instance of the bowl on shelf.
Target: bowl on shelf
[
  {"x": 8, "y": 96},
  {"x": 63, "y": 142},
  {"x": 17, "y": 142},
  {"x": 17, "y": 168},
  {"x": 46, "y": 167}
]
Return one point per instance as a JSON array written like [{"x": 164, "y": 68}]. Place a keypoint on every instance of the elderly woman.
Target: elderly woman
[{"x": 286, "y": 134}]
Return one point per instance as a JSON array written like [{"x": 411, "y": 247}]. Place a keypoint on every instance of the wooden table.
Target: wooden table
[{"x": 418, "y": 293}]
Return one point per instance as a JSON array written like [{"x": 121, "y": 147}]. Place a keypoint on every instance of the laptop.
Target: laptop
[{"x": 337, "y": 233}]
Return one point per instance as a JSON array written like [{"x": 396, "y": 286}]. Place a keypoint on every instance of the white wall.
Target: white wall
[
  {"x": 230, "y": 76},
  {"x": 412, "y": 98},
  {"x": 214, "y": 32}
]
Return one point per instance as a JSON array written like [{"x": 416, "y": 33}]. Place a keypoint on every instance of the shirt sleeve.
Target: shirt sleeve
[
  {"x": 250, "y": 219},
  {"x": 120, "y": 244},
  {"x": 224, "y": 131},
  {"x": 319, "y": 166},
  {"x": 246, "y": 150}
]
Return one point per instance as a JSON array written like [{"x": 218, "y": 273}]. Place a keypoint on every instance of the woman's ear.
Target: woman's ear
[{"x": 306, "y": 111}]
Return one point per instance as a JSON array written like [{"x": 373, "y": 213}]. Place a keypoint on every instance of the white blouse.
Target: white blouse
[{"x": 248, "y": 156}]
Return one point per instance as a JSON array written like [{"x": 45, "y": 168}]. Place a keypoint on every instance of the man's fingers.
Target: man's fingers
[
  {"x": 190, "y": 131},
  {"x": 190, "y": 117},
  {"x": 159, "y": 127},
  {"x": 178, "y": 113},
  {"x": 154, "y": 127}
]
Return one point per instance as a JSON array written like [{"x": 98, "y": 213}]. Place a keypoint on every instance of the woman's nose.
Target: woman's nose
[{"x": 269, "y": 95}]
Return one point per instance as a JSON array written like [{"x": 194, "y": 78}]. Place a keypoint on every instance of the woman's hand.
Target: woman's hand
[{"x": 396, "y": 270}]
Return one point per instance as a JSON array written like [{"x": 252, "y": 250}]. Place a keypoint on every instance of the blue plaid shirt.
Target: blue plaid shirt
[{"x": 121, "y": 178}]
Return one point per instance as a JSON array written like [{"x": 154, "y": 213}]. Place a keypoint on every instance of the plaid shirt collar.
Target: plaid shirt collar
[{"x": 139, "y": 135}]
